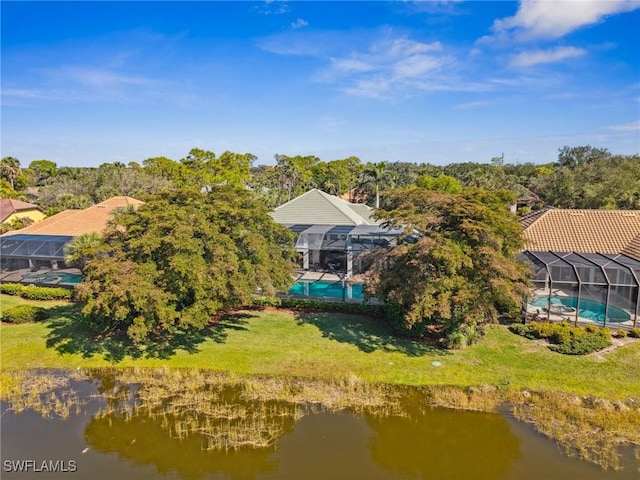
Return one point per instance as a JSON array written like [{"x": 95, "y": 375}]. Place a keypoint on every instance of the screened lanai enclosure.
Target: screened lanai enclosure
[
  {"x": 36, "y": 259},
  {"x": 585, "y": 288},
  {"x": 340, "y": 248},
  {"x": 30, "y": 251}
]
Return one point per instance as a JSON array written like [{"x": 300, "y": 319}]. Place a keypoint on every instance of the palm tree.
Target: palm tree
[
  {"x": 10, "y": 169},
  {"x": 79, "y": 251},
  {"x": 374, "y": 174}
]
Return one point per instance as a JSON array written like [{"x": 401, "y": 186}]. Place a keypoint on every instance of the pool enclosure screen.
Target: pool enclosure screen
[
  {"x": 339, "y": 248},
  {"x": 29, "y": 251},
  {"x": 585, "y": 288}
]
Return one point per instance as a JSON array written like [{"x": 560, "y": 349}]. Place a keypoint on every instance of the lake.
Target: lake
[{"x": 107, "y": 431}]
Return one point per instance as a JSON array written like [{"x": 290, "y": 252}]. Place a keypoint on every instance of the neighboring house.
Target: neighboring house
[
  {"x": 42, "y": 244},
  {"x": 586, "y": 262},
  {"x": 11, "y": 210},
  {"x": 331, "y": 233},
  {"x": 582, "y": 231}
]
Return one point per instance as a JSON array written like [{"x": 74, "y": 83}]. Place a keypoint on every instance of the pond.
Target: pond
[{"x": 100, "y": 427}]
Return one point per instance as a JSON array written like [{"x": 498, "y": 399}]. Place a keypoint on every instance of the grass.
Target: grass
[
  {"x": 325, "y": 345},
  {"x": 8, "y": 301}
]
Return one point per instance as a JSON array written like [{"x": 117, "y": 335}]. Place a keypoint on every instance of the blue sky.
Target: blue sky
[{"x": 438, "y": 82}]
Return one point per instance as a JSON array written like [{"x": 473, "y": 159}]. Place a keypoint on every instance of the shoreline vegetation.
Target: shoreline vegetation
[
  {"x": 231, "y": 411},
  {"x": 590, "y": 405}
]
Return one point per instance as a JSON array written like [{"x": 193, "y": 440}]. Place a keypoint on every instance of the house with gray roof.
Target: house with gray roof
[{"x": 331, "y": 233}]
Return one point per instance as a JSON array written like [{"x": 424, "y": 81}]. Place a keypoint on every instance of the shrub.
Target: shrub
[
  {"x": 634, "y": 333},
  {"x": 540, "y": 330},
  {"x": 46, "y": 293},
  {"x": 583, "y": 344},
  {"x": 565, "y": 338},
  {"x": 620, "y": 333},
  {"x": 455, "y": 341},
  {"x": 266, "y": 302},
  {"x": 11, "y": 288},
  {"x": 519, "y": 328},
  {"x": 24, "y": 314},
  {"x": 306, "y": 303},
  {"x": 563, "y": 334}
]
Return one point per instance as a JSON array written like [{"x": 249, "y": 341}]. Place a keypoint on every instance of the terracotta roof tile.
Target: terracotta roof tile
[
  {"x": 633, "y": 248},
  {"x": 583, "y": 231},
  {"x": 531, "y": 217},
  {"x": 78, "y": 222}
]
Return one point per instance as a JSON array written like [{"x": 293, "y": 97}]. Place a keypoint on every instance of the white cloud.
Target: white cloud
[
  {"x": 388, "y": 68},
  {"x": 23, "y": 93},
  {"x": 271, "y": 7},
  {"x": 543, "y": 19},
  {"x": 627, "y": 127},
  {"x": 475, "y": 104},
  {"x": 352, "y": 65},
  {"x": 536, "y": 57},
  {"x": 96, "y": 77},
  {"x": 74, "y": 83},
  {"x": 299, "y": 23},
  {"x": 404, "y": 46}
]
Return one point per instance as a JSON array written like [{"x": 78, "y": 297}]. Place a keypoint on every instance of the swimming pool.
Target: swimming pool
[
  {"x": 323, "y": 288},
  {"x": 588, "y": 308},
  {"x": 50, "y": 277}
]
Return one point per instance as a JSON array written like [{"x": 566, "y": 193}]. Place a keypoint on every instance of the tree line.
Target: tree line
[{"x": 582, "y": 177}]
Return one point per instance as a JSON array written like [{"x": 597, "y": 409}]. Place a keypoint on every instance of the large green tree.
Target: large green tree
[
  {"x": 587, "y": 177},
  {"x": 183, "y": 257},
  {"x": 455, "y": 269}
]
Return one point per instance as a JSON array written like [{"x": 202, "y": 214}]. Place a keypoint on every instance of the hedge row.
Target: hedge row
[
  {"x": 31, "y": 292},
  {"x": 24, "y": 314},
  {"x": 565, "y": 338},
  {"x": 300, "y": 303}
]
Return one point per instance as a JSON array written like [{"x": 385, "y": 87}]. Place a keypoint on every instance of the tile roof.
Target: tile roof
[
  {"x": 316, "y": 207},
  {"x": 531, "y": 217},
  {"x": 633, "y": 248},
  {"x": 78, "y": 222},
  {"x": 10, "y": 205},
  {"x": 584, "y": 231}
]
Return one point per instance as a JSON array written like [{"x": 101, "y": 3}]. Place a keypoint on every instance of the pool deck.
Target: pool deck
[
  {"x": 17, "y": 276},
  {"x": 313, "y": 276},
  {"x": 534, "y": 312}
]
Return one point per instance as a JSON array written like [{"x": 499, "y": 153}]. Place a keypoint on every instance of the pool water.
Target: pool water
[
  {"x": 323, "y": 288},
  {"x": 588, "y": 308},
  {"x": 50, "y": 277}
]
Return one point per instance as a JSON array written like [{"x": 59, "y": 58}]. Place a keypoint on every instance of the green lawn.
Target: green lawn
[
  {"x": 8, "y": 301},
  {"x": 325, "y": 345}
]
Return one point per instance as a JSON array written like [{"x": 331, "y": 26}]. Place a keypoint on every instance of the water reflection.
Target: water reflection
[
  {"x": 143, "y": 440},
  {"x": 452, "y": 443},
  {"x": 192, "y": 425}
]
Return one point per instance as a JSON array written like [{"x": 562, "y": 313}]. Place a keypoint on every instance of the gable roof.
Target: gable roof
[
  {"x": 10, "y": 205},
  {"x": 316, "y": 207},
  {"x": 77, "y": 222},
  {"x": 584, "y": 231}
]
